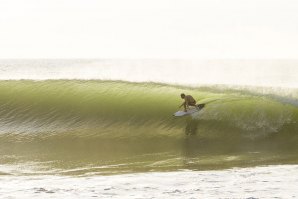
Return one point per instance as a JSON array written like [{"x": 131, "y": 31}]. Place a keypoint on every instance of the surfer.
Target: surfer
[{"x": 188, "y": 101}]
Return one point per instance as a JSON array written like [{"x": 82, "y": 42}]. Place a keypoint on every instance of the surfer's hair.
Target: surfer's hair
[{"x": 182, "y": 95}]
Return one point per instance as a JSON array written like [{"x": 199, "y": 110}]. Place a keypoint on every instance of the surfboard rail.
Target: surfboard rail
[{"x": 189, "y": 111}]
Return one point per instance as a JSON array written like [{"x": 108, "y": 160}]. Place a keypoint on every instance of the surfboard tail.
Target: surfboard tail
[{"x": 200, "y": 106}]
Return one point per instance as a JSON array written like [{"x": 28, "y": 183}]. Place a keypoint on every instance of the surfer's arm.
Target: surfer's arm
[
  {"x": 181, "y": 105},
  {"x": 184, "y": 104}
]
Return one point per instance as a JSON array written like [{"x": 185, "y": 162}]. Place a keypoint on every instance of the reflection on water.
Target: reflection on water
[
  {"x": 191, "y": 126},
  {"x": 202, "y": 145}
]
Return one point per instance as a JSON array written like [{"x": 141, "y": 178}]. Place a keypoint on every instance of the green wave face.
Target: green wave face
[{"x": 72, "y": 126}]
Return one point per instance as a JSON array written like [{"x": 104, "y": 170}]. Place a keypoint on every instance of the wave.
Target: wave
[
  {"x": 95, "y": 126},
  {"x": 117, "y": 109}
]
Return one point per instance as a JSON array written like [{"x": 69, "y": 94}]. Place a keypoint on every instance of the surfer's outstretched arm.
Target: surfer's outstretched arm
[
  {"x": 182, "y": 104},
  {"x": 185, "y": 105}
]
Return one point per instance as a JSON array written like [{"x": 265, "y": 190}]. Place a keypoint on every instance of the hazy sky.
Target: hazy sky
[{"x": 196, "y": 29}]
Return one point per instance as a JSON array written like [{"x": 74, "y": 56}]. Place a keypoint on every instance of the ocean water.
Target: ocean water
[{"x": 104, "y": 128}]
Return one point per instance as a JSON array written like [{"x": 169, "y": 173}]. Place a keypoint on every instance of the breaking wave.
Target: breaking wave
[{"x": 117, "y": 109}]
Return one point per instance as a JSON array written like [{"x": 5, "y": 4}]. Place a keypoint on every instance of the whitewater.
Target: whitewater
[{"x": 104, "y": 128}]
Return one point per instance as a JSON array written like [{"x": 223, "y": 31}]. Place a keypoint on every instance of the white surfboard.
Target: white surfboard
[{"x": 189, "y": 111}]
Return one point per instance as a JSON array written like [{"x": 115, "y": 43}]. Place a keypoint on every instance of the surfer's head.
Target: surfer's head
[{"x": 182, "y": 95}]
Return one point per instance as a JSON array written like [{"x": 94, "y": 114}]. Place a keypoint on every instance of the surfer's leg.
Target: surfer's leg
[{"x": 192, "y": 104}]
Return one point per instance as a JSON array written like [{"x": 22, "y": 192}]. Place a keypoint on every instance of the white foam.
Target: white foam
[{"x": 258, "y": 182}]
